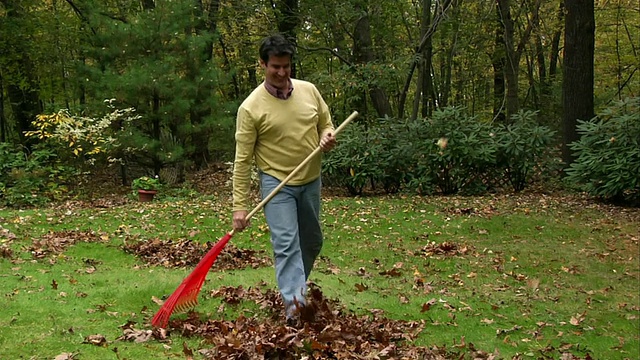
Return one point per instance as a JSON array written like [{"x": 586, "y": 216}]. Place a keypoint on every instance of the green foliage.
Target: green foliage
[
  {"x": 520, "y": 146},
  {"x": 470, "y": 152},
  {"x": 83, "y": 138},
  {"x": 408, "y": 154},
  {"x": 146, "y": 183},
  {"x": 607, "y": 155},
  {"x": 31, "y": 179},
  {"x": 161, "y": 62}
]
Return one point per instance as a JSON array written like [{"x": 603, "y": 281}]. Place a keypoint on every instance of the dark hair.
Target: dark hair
[{"x": 276, "y": 45}]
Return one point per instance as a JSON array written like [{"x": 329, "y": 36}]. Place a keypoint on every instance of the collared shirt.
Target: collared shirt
[{"x": 284, "y": 95}]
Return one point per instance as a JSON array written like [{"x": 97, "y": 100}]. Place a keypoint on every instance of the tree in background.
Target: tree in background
[
  {"x": 18, "y": 69},
  {"x": 186, "y": 65},
  {"x": 578, "y": 73}
]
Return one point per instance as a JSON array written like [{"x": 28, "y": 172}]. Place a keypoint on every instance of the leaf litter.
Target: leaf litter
[
  {"x": 325, "y": 330},
  {"x": 56, "y": 242},
  {"x": 185, "y": 253}
]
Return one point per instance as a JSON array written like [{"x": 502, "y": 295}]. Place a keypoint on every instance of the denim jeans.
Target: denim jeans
[{"x": 293, "y": 216}]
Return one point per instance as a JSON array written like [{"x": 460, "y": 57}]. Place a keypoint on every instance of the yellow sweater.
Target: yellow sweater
[{"x": 279, "y": 134}]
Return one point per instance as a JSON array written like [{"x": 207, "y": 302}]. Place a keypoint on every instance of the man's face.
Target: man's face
[{"x": 277, "y": 71}]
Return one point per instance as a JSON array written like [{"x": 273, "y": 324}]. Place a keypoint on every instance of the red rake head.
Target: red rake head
[{"x": 185, "y": 297}]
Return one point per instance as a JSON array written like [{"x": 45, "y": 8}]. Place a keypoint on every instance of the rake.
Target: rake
[{"x": 185, "y": 297}]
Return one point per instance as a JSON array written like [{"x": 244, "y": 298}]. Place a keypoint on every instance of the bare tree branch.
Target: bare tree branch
[{"x": 333, "y": 52}]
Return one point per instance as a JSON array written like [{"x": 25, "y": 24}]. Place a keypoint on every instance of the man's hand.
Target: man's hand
[
  {"x": 328, "y": 141},
  {"x": 239, "y": 220}
]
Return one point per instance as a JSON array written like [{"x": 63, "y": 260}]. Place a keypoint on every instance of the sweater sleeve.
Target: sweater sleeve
[{"x": 246, "y": 135}]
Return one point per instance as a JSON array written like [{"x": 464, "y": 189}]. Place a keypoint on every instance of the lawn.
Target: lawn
[{"x": 512, "y": 276}]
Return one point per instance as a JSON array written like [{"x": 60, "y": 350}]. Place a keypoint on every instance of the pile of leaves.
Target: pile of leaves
[
  {"x": 55, "y": 242},
  {"x": 447, "y": 248},
  {"x": 325, "y": 331},
  {"x": 187, "y": 253}
]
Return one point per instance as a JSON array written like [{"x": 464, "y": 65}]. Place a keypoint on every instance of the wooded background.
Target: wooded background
[{"x": 185, "y": 65}]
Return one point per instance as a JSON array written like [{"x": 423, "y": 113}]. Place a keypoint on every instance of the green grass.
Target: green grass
[{"x": 540, "y": 275}]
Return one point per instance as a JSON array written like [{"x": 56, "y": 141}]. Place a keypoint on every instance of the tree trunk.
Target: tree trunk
[
  {"x": 423, "y": 43},
  {"x": 22, "y": 87},
  {"x": 363, "y": 54},
  {"x": 555, "y": 45},
  {"x": 512, "y": 66},
  {"x": 578, "y": 73},
  {"x": 514, "y": 52},
  {"x": 201, "y": 109},
  {"x": 148, "y": 4},
  {"x": 424, "y": 89},
  {"x": 499, "y": 61},
  {"x": 3, "y": 119},
  {"x": 540, "y": 61}
]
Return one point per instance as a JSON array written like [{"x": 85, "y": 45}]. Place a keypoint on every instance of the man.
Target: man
[{"x": 279, "y": 124}]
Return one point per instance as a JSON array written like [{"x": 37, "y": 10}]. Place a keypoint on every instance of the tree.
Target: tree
[
  {"x": 578, "y": 71},
  {"x": 512, "y": 51},
  {"x": 18, "y": 69}
]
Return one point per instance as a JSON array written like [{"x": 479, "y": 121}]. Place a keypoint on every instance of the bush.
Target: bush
[
  {"x": 520, "y": 146},
  {"x": 353, "y": 163},
  {"x": 461, "y": 165},
  {"x": 31, "y": 179},
  {"x": 607, "y": 156},
  {"x": 405, "y": 154}
]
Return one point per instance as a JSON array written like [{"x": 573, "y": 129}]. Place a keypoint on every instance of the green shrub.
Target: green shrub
[
  {"x": 31, "y": 179},
  {"x": 461, "y": 165},
  {"x": 520, "y": 146},
  {"x": 352, "y": 164},
  {"x": 607, "y": 156},
  {"x": 406, "y": 155}
]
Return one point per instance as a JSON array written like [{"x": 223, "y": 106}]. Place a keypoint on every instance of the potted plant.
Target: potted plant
[{"x": 147, "y": 187}]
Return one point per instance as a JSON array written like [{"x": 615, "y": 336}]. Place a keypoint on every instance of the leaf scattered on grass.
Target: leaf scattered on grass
[
  {"x": 6, "y": 252},
  {"x": 182, "y": 253},
  {"x": 65, "y": 356},
  {"x": 55, "y": 242},
  {"x": 447, "y": 248},
  {"x": 97, "y": 340}
]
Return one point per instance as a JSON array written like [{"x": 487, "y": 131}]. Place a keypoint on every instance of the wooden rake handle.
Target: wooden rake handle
[{"x": 297, "y": 169}]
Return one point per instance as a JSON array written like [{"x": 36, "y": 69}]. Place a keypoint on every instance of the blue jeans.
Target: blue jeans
[{"x": 293, "y": 216}]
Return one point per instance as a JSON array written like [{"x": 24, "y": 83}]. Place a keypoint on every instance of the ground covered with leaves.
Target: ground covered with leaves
[{"x": 522, "y": 276}]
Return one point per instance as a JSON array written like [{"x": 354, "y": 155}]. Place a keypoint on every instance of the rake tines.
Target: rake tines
[{"x": 185, "y": 297}]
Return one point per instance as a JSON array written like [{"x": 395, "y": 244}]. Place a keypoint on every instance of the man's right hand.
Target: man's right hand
[{"x": 240, "y": 221}]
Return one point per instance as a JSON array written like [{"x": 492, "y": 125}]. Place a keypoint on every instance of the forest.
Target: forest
[{"x": 152, "y": 87}]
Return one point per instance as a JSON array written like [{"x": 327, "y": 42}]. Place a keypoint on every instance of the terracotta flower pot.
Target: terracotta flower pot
[{"x": 146, "y": 195}]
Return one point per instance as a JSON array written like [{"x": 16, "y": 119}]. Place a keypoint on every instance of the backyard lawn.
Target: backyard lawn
[{"x": 529, "y": 276}]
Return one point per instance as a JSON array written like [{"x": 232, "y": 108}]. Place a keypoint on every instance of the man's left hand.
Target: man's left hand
[{"x": 328, "y": 141}]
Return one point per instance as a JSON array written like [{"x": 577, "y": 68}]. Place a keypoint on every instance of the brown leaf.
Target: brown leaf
[
  {"x": 361, "y": 287},
  {"x": 426, "y": 306},
  {"x": 186, "y": 351},
  {"x": 159, "y": 302},
  {"x": 97, "y": 340},
  {"x": 65, "y": 356}
]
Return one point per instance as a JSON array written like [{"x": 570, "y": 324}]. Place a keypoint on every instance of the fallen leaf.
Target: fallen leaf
[
  {"x": 65, "y": 356},
  {"x": 97, "y": 340},
  {"x": 426, "y": 306},
  {"x": 186, "y": 351},
  {"x": 361, "y": 287},
  {"x": 159, "y": 302}
]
